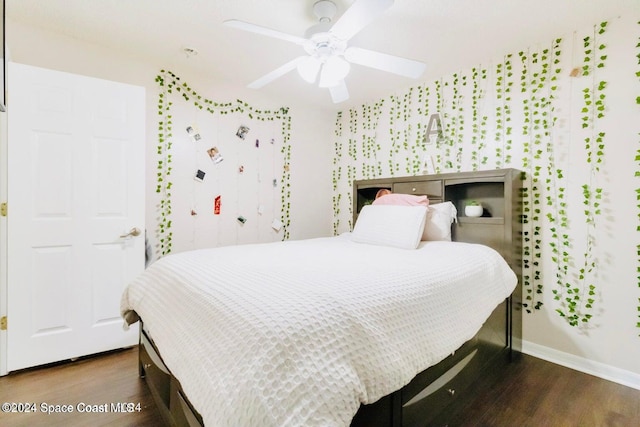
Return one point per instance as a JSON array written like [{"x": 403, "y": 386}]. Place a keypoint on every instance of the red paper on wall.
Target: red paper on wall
[{"x": 216, "y": 205}]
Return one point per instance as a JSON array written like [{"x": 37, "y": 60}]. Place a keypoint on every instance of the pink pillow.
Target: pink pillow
[{"x": 402, "y": 200}]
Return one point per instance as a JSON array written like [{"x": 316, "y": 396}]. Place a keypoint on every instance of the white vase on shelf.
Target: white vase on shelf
[{"x": 473, "y": 210}]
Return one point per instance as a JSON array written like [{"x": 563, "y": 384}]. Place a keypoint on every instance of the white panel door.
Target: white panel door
[{"x": 75, "y": 186}]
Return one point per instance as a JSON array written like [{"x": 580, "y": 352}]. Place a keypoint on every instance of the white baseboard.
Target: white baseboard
[{"x": 601, "y": 370}]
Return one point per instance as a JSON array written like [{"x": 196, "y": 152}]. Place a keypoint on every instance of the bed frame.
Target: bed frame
[{"x": 428, "y": 398}]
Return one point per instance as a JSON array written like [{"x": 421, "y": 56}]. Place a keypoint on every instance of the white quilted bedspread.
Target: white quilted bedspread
[{"x": 300, "y": 333}]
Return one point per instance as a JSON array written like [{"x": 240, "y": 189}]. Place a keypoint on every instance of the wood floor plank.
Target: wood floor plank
[
  {"x": 535, "y": 393},
  {"x": 100, "y": 380},
  {"x": 532, "y": 392}
]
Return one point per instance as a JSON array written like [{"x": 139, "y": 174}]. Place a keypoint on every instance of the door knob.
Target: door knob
[{"x": 135, "y": 231}]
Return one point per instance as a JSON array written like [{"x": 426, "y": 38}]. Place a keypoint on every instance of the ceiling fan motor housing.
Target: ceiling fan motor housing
[
  {"x": 325, "y": 10},
  {"x": 323, "y": 45}
]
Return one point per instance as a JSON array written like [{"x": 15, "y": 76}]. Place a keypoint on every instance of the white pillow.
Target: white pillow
[
  {"x": 390, "y": 225},
  {"x": 440, "y": 216}
]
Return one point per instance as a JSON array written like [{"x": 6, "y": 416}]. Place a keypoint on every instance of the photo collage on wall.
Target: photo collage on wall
[{"x": 234, "y": 191}]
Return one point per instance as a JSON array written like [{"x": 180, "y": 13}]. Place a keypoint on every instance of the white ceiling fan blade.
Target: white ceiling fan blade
[
  {"x": 278, "y": 72},
  {"x": 241, "y": 25},
  {"x": 339, "y": 93},
  {"x": 361, "y": 13},
  {"x": 381, "y": 61}
]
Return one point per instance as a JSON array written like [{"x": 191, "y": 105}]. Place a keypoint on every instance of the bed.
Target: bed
[{"x": 339, "y": 330}]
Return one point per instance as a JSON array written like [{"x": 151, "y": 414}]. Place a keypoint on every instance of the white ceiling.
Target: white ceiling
[{"x": 448, "y": 35}]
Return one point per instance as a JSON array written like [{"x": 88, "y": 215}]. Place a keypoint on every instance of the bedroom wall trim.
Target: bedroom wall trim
[
  {"x": 582, "y": 364},
  {"x": 3, "y": 241}
]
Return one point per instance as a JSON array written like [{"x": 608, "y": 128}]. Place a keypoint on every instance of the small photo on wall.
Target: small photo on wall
[
  {"x": 242, "y": 132},
  {"x": 217, "y": 205},
  {"x": 277, "y": 224},
  {"x": 192, "y": 131},
  {"x": 199, "y": 175},
  {"x": 215, "y": 155}
]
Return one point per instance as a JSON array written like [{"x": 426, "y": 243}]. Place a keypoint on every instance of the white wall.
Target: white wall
[
  {"x": 311, "y": 151},
  {"x": 493, "y": 119}
]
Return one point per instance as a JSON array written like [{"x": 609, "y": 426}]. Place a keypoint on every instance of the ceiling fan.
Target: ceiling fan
[{"x": 328, "y": 56}]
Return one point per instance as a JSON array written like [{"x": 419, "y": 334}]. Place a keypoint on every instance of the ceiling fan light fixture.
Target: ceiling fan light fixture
[
  {"x": 308, "y": 69},
  {"x": 334, "y": 70}
]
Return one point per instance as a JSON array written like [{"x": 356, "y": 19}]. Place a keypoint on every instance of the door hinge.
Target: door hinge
[
  {"x": 3, "y": 323},
  {"x": 3, "y": 209}
]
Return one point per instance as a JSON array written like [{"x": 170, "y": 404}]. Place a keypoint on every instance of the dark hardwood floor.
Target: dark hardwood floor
[
  {"x": 98, "y": 380},
  {"x": 532, "y": 393}
]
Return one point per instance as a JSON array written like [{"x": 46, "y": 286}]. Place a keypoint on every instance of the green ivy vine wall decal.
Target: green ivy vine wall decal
[
  {"x": 508, "y": 132},
  {"x": 577, "y": 297},
  {"x": 337, "y": 173},
  {"x": 483, "y": 121},
  {"x": 163, "y": 169},
  {"x": 453, "y": 120},
  {"x": 459, "y": 86},
  {"x": 170, "y": 84},
  {"x": 407, "y": 140},
  {"x": 504, "y": 129},
  {"x": 523, "y": 111},
  {"x": 478, "y": 124},
  {"x": 532, "y": 230},
  {"x": 475, "y": 126},
  {"x": 417, "y": 145},
  {"x": 554, "y": 183},
  {"x": 367, "y": 143},
  {"x": 451, "y": 124},
  {"x": 440, "y": 109},
  {"x": 499, "y": 117},
  {"x": 421, "y": 158},
  {"x": 395, "y": 114}
]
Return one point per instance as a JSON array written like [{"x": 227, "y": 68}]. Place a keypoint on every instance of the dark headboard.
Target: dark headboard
[{"x": 499, "y": 192}]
